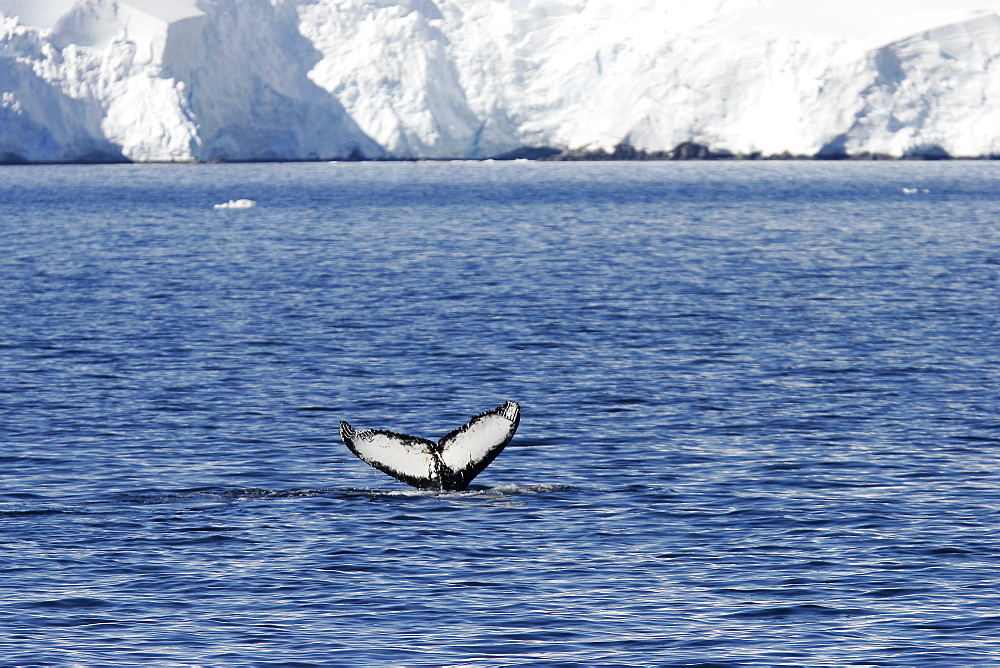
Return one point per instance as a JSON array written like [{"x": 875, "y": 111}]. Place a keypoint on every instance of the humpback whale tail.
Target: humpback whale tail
[{"x": 451, "y": 463}]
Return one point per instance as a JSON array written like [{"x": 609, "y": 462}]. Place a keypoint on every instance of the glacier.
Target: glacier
[{"x": 230, "y": 80}]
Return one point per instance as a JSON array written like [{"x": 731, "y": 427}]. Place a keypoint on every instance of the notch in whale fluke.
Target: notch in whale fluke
[{"x": 451, "y": 463}]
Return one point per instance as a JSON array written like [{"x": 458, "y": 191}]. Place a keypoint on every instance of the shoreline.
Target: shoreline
[{"x": 684, "y": 152}]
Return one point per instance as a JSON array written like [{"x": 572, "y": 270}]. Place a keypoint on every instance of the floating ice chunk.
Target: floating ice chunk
[
  {"x": 237, "y": 204},
  {"x": 909, "y": 191}
]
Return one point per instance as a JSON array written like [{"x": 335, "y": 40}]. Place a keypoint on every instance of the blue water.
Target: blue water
[{"x": 760, "y": 418}]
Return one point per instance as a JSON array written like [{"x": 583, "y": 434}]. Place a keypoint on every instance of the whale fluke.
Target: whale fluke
[{"x": 451, "y": 463}]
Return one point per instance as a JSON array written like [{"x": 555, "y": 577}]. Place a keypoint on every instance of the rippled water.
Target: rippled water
[{"x": 760, "y": 413}]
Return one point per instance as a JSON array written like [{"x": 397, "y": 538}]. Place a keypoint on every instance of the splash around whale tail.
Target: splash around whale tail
[{"x": 451, "y": 463}]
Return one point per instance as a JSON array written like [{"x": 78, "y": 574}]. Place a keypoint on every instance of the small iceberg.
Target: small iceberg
[
  {"x": 237, "y": 204},
  {"x": 909, "y": 191}
]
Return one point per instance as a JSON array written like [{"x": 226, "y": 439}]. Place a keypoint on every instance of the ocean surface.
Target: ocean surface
[{"x": 760, "y": 413}]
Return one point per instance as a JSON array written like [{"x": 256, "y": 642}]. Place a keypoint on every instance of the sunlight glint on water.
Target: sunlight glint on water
[{"x": 759, "y": 418}]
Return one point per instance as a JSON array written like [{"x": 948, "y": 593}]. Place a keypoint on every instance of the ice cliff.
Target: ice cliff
[{"x": 182, "y": 80}]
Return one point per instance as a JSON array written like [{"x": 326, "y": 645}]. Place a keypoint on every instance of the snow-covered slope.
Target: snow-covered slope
[
  {"x": 167, "y": 80},
  {"x": 178, "y": 80}
]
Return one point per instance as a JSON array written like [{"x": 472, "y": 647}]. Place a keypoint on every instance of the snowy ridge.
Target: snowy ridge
[{"x": 186, "y": 80}]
